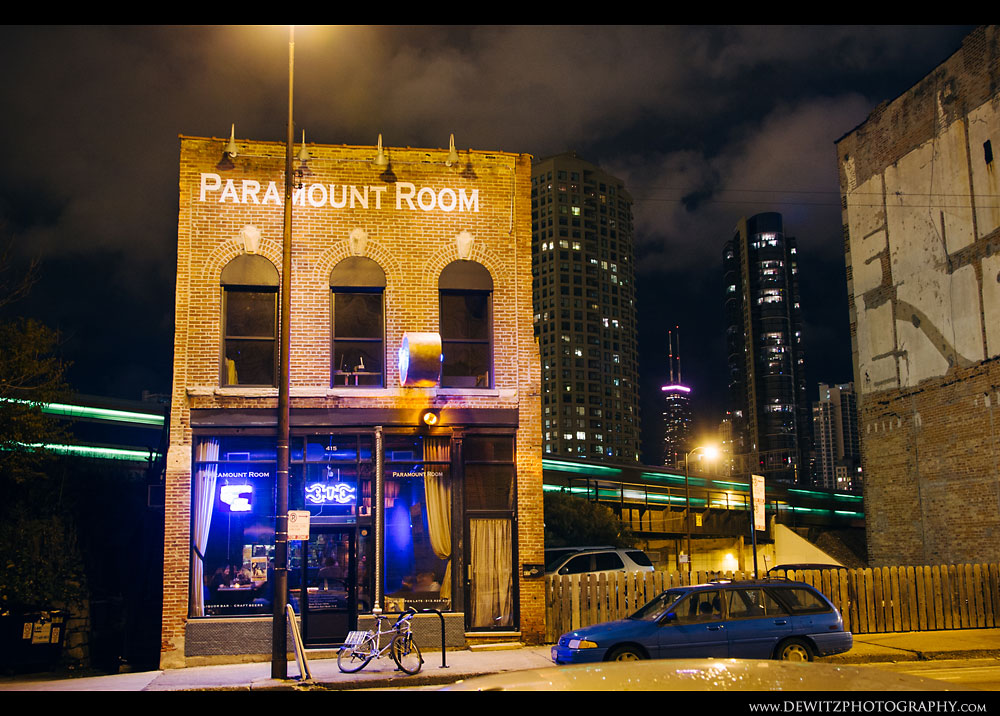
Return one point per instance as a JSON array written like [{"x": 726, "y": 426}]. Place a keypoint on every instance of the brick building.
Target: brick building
[
  {"x": 922, "y": 245},
  {"x": 411, "y": 293}
]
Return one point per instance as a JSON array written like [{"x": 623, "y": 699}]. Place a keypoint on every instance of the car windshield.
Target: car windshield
[
  {"x": 553, "y": 557},
  {"x": 659, "y": 605}
]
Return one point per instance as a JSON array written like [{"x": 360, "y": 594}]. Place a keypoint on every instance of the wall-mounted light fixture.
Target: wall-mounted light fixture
[
  {"x": 303, "y": 157},
  {"x": 452, "y": 154},
  {"x": 226, "y": 163},
  {"x": 430, "y": 418},
  {"x": 381, "y": 160}
]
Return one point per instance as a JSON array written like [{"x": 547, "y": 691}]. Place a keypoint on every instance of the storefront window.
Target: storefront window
[
  {"x": 233, "y": 526},
  {"x": 332, "y": 478},
  {"x": 417, "y": 522}
]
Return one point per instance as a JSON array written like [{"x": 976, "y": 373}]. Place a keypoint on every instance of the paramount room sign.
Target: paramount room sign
[{"x": 403, "y": 195}]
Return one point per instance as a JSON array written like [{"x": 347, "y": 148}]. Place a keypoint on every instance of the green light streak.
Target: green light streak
[
  {"x": 83, "y": 411},
  {"x": 99, "y": 452},
  {"x": 549, "y": 464}
]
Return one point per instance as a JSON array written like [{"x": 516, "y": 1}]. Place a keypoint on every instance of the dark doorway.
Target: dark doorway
[{"x": 329, "y": 591}]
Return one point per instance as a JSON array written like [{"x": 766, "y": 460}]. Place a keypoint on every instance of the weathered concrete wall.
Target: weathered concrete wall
[{"x": 922, "y": 247}]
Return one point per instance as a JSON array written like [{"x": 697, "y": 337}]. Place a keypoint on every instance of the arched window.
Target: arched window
[
  {"x": 249, "y": 322},
  {"x": 466, "y": 315},
  {"x": 357, "y": 287}
]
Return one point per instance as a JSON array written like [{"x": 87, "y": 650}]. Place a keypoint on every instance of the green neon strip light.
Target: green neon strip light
[
  {"x": 99, "y": 452},
  {"x": 83, "y": 411},
  {"x": 548, "y": 464}
]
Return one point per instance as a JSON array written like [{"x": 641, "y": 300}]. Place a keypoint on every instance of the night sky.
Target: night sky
[{"x": 703, "y": 124}]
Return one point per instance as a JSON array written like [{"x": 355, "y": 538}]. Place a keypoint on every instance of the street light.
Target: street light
[
  {"x": 279, "y": 620},
  {"x": 711, "y": 452}
]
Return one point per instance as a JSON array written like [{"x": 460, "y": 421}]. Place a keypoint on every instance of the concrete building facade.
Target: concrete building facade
[
  {"x": 585, "y": 318},
  {"x": 836, "y": 442},
  {"x": 414, "y": 377},
  {"x": 922, "y": 248}
]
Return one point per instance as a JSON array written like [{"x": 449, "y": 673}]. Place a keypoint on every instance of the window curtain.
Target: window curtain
[
  {"x": 437, "y": 495},
  {"x": 492, "y": 597},
  {"x": 203, "y": 503}
]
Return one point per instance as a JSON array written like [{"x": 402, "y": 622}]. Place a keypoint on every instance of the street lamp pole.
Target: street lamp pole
[
  {"x": 687, "y": 509},
  {"x": 279, "y": 639},
  {"x": 710, "y": 452}
]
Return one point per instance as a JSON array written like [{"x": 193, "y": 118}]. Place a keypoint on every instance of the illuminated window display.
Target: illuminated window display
[
  {"x": 232, "y": 526},
  {"x": 418, "y": 511}
]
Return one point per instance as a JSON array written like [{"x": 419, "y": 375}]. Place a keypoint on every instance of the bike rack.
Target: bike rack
[{"x": 444, "y": 664}]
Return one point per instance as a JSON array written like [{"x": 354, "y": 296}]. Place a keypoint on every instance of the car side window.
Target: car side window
[
  {"x": 801, "y": 600},
  {"x": 607, "y": 561},
  {"x": 698, "y": 608},
  {"x": 577, "y": 565},
  {"x": 750, "y": 603},
  {"x": 639, "y": 557}
]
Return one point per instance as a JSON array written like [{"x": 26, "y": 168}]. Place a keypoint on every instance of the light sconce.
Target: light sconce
[
  {"x": 231, "y": 147},
  {"x": 304, "y": 155},
  {"x": 430, "y": 418},
  {"x": 452, "y": 154},
  {"x": 226, "y": 163},
  {"x": 381, "y": 160}
]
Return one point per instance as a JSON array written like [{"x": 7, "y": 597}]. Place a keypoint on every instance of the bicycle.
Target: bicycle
[{"x": 361, "y": 647}]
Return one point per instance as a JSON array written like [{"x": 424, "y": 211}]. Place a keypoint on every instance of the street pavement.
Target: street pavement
[{"x": 466, "y": 663}]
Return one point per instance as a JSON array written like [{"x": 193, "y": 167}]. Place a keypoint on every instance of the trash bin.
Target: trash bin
[{"x": 32, "y": 640}]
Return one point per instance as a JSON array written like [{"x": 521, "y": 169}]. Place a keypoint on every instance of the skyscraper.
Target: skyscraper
[
  {"x": 837, "y": 442},
  {"x": 676, "y": 407},
  {"x": 583, "y": 286},
  {"x": 764, "y": 341}
]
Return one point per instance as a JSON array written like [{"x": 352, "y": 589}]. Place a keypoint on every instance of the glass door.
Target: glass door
[{"x": 329, "y": 593}]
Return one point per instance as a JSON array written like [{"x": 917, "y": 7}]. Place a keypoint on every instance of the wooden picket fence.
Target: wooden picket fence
[{"x": 873, "y": 600}]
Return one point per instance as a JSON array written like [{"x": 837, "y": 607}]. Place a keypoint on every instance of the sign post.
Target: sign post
[{"x": 758, "y": 521}]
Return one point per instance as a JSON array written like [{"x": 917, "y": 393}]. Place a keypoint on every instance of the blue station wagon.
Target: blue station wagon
[{"x": 764, "y": 619}]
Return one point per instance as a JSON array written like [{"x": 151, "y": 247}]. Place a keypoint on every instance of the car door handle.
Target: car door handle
[
  {"x": 780, "y": 622},
  {"x": 715, "y": 627}
]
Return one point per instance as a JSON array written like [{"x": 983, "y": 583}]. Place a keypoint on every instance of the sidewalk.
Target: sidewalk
[{"x": 868, "y": 649}]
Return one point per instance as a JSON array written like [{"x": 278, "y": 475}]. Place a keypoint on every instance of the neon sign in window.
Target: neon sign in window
[
  {"x": 335, "y": 493},
  {"x": 237, "y": 497}
]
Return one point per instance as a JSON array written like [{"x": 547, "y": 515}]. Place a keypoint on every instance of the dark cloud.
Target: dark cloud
[{"x": 704, "y": 124}]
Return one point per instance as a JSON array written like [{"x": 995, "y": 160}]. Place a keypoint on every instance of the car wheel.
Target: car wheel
[
  {"x": 626, "y": 653},
  {"x": 794, "y": 650}
]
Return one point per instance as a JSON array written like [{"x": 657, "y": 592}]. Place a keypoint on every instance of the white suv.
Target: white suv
[{"x": 596, "y": 559}]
